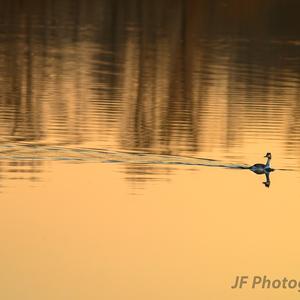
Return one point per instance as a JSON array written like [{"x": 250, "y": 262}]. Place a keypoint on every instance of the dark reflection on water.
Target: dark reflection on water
[{"x": 168, "y": 77}]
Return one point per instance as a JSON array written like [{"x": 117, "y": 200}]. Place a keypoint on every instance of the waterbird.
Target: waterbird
[{"x": 263, "y": 168}]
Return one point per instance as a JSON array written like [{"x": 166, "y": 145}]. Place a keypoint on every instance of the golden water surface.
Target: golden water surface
[{"x": 125, "y": 131}]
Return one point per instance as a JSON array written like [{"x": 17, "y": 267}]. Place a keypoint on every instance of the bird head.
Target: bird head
[{"x": 268, "y": 155}]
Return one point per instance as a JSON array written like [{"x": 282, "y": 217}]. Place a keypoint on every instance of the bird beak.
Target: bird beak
[{"x": 266, "y": 156}]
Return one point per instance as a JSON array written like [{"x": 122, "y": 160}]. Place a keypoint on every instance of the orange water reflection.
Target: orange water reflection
[{"x": 108, "y": 81}]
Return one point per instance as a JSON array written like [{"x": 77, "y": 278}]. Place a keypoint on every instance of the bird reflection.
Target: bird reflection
[{"x": 267, "y": 182}]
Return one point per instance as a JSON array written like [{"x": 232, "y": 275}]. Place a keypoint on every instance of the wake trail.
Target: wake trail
[{"x": 61, "y": 153}]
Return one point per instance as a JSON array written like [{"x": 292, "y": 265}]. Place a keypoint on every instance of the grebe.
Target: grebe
[{"x": 261, "y": 168}]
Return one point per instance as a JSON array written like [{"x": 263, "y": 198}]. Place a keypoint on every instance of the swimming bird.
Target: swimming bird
[{"x": 261, "y": 168}]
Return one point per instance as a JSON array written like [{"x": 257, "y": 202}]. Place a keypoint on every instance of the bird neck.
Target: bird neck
[{"x": 268, "y": 162}]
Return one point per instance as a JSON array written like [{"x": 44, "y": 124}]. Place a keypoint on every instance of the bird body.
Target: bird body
[{"x": 263, "y": 168}]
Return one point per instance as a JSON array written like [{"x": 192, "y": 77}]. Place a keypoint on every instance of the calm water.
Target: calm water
[{"x": 124, "y": 130}]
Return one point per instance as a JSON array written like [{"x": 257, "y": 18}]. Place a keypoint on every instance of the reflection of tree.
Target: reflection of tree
[
  {"x": 177, "y": 76},
  {"x": 156, "y": 75},
  {"x": 20, "y": 170}
]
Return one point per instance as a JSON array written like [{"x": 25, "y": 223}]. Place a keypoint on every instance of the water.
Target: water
[{"x": 126, "y": 130}]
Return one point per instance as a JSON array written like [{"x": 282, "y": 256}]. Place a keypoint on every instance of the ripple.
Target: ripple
[{"x": 28, "y": 152}]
